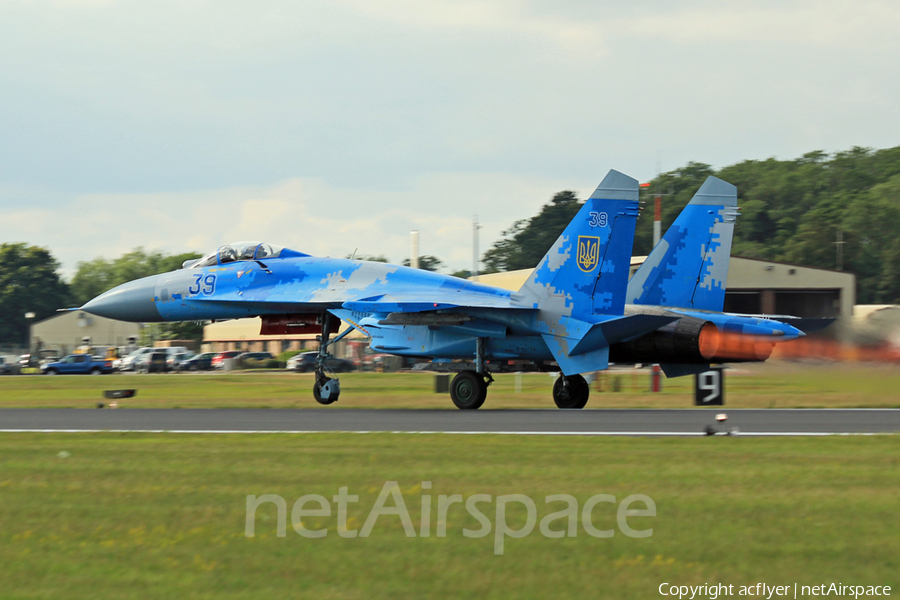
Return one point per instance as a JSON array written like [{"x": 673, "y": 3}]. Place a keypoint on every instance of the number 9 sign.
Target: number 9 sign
[{"x": 709, "y": 388}]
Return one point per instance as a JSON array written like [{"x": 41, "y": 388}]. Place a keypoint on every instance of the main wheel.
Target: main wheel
[
  {"x": 468, "y": 390},
  {"x": 96, "y": 371},
  {"x": 572, "y": 395},
  {"x": 317, "y": 392}
]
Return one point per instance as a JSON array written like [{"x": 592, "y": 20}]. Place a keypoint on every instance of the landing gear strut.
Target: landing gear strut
[
  {"x": 468, "y": 389},
  {"x": 571, "y": 392},
  {"x": 326, "y": 390}
]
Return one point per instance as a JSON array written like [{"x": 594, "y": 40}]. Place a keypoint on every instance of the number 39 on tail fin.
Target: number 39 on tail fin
[{"x": 585, "y": 272}]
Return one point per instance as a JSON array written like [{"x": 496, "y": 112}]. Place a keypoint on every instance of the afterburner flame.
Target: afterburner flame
[{"x": 720, "y": 346}]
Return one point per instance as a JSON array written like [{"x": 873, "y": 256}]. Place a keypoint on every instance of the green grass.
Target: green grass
[
  {"x": 781, "y": 385},
  {"x": 162, "y": 516}
]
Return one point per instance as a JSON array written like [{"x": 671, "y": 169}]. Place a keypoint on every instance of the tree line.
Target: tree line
[
  {"x": 792, "y": 211},
  {"x": 30, "y": 282}
]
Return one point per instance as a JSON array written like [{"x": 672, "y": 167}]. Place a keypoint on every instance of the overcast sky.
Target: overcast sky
[{"x": 342, "y": 124}]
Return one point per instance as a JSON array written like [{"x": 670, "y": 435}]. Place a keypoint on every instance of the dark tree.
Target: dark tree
[
  {"x": 526, "y": 242},
  {"x": 99, "y": 275},
  {"x": 380, "y": 258},
  {"x": 791, "y": 211},
  {"x": 427, "y": 263},
  {"x": 29, "y": 282}
]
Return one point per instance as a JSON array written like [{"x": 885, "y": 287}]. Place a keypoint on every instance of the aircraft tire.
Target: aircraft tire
[
  {"x": 468, "y": 390},
  {"x": 576, "y": 396},
  {"x": 317, "y": 394}
]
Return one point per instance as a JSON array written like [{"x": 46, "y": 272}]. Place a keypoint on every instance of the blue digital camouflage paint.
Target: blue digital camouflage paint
[{"x": 689, "y": 266}]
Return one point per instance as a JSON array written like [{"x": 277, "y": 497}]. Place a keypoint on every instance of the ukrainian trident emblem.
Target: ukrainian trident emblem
[{"x": 588, "y": 252}]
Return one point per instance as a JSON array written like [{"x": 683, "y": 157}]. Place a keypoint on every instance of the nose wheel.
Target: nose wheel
[
  {"x": 571, "y": 392},
  {"x": 326, "y": 390}
]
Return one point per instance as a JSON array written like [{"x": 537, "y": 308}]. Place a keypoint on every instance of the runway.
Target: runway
[{"x": 525, "y": 422}]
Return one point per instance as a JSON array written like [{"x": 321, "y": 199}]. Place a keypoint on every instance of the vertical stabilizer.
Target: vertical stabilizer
[
  {"x": 585, "y": 272},
  {"x": 689, "y": 266}
]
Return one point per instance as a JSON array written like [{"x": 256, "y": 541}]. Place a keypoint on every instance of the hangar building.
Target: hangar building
[
  {"x": 758, "y": 287},
  {"x": 66, "y": 331}
]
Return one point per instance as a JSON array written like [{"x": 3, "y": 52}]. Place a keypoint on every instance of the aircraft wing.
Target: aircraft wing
[
  {"x": 384, "y": 304},
  {"x": 397, "y": 303}
]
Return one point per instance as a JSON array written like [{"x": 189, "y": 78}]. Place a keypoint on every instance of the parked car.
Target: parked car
[
  {"x": 151, "y": 362},
  {"x": 306, "y": 362},
  {"x": 218, "y": 361},
  {"x": 256, "y": 356},
  {"x": 174, "y": 360},
  {"x": 9, "y": 367},
  {"x": 78, "y": 363},
  {"x": 128, "y": 363},
  {"x": 198, "y": 362},
  {"x": 39, "y": 358}
]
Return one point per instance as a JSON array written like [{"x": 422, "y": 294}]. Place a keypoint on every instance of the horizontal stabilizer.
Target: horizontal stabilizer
[
  {"x": 618, "y": 330},
  {"x": 673, "y": 370},
  {"x": 808, "y": 325}
]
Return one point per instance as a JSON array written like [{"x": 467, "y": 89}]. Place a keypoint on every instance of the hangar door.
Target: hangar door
[{"x": 811, "y": 304}]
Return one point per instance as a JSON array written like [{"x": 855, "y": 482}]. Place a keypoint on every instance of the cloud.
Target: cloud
[
  {"x": 866, "y": 25},
  {"x": 305, "y": 214},
  {"x": 343, "y": 123}
]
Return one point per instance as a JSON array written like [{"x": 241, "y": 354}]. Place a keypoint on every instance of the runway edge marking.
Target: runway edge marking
[{"x": 570, "y": 433}]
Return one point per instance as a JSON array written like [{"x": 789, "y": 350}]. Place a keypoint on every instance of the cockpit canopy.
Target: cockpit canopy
[{"x": 240, "y": 251}]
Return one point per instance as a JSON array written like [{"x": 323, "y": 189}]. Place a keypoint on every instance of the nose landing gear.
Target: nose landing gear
[{"x": 326, "y": 390}]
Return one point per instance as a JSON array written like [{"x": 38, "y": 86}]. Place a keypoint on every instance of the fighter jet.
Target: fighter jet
[
  {"x": 685, "y": 276},
  {"x": 566, "y": 315}
]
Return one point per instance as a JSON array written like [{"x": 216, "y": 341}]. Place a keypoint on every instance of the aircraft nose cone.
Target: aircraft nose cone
[{"x": 132, "y": 301}]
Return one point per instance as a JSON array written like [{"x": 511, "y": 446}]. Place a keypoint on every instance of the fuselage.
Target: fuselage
[{"x": 443, "y": 315}]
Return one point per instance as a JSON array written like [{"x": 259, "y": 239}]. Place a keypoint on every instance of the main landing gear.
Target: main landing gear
[
  {"x": 326, "y": 390},
  {"x": 468, "y": 389},
  {"x": 571, "y": 392}
]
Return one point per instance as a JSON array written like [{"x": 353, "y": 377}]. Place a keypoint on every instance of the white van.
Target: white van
[{"x": 127, "y": 363}]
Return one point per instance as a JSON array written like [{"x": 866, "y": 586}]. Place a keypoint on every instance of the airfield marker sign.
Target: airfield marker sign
[{"x": 709, "y": 388}]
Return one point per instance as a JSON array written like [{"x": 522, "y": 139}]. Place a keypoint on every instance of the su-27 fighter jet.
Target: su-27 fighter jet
[{"x": 567, "y": 316}]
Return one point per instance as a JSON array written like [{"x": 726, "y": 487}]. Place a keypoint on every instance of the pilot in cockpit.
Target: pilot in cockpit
[{"x": 235, "y": 252}]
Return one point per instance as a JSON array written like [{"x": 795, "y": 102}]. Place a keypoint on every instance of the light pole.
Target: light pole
[
  {"x": 475, "y": 257},
  {"x": 29, "y": 317}
]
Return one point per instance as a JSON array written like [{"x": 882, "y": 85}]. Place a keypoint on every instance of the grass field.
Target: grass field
[
  {"x": 163, "y": 516},
  {"x": 781, "y": 385}
]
